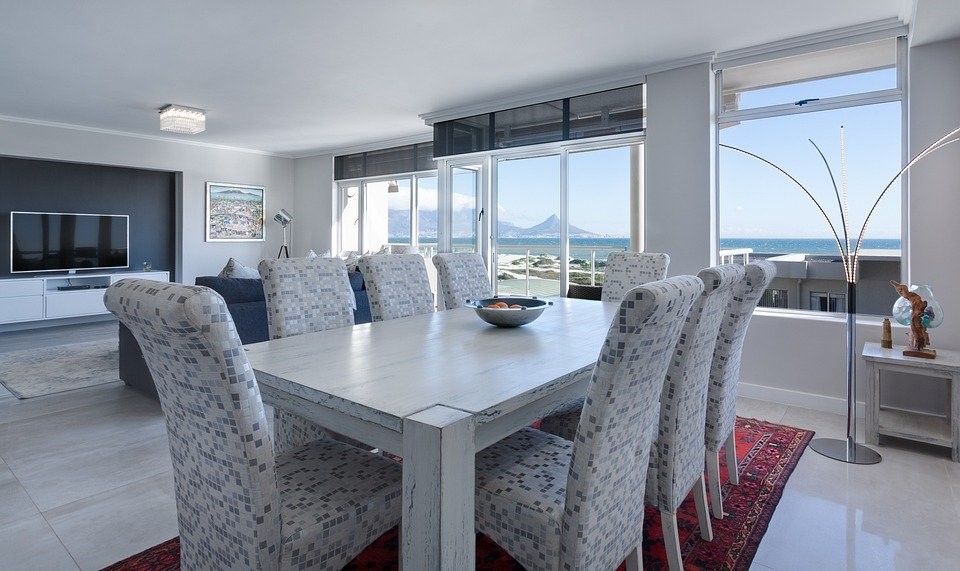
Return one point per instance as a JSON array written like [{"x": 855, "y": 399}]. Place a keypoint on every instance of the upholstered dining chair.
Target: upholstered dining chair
[
  {"x": 304, "y": 295},
  {"x": 397, "y": 285},
  {"x": 676, "y": 457},
  {"x": 462, "y": 276},
  {"x": 556, "y": 504},
  {"x": 626, "y": 270},
  {"x": 725, "y": 377},
  {"x": 239, "y": 505}
]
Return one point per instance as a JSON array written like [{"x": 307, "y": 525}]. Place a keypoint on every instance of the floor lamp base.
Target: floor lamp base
[{"x": 844, "y": 451}]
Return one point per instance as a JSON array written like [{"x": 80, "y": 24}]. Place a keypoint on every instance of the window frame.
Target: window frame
[{"x": 897, "y": 94}]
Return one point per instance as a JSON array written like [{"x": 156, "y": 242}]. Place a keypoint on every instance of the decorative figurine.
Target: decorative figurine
[{"x": 913, "y": 310}]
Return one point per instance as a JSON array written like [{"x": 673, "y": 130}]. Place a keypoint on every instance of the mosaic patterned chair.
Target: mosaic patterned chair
[
  {"x": 240, "y": 506},
  {"x": 462, "y": 276},
  {"x": 397, "y": 285},
  {"x": 626, "y": 270},
  {"x": 676, "y": 458},
  {"x": 304, "y": 295},
  {"x": 556, "y": 504},
  {"x": 725, "y": 377}
]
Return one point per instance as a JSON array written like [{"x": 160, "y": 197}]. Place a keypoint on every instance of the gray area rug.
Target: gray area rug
[{"x": 37, "y": 372}]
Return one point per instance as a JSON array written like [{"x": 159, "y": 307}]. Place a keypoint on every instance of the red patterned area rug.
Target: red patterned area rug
[{"x": 767, "y": 453}]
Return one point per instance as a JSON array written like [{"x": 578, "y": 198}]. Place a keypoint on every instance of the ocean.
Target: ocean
[{"x": 581, "y": 247}]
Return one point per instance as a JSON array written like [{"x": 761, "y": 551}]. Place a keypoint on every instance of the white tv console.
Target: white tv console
[{"x": 39, "y": 298}]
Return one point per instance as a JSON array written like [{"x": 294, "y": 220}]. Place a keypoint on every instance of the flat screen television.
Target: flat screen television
[{"x": 57, "y": 241}]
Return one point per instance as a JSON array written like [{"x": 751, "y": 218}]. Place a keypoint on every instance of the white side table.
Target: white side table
[{"x": 910, "y": 425}]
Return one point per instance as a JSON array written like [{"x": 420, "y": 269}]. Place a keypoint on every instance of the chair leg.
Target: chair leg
[
  {"x": 671, "y": 539},
  {"x": 713, "y": 482},
  {"x": 731, "y": 447},
  {"x": 635, "y": 560},
  {"x": 703, "y": 516}
]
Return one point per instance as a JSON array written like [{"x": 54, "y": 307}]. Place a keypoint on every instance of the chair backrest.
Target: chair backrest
[
  {"x": 626, "y": 270},
  {"x": 679, "y": 451},
  {"x": 228, "y": 506},
  {"x": 306, "y": 295},
  {"x": 397, "y": 285},
  {"x": 462, "y": 276},
  {"x": 725, "y": 368},
  {"x": 603, "y": 515}
]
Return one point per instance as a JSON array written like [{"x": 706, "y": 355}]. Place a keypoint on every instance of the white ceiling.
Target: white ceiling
[{"x": 297, "y": 77}]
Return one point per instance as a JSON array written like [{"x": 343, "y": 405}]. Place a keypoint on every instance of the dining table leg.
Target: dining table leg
[{"x": 438, "y": 530}]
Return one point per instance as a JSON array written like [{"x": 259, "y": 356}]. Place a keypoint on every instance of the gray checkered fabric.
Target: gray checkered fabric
[
  {"x": 462, "y": 276},
  {"x": 626, "y": 270},
  {"x": 676, "y": 458},
  {"x": 304, "y": 295},
  {"x": 557, "y": 504},
  {"x": 725, "y": 369},
  {"x": 240, "y": 506},
  {"x": 397, "y": 285}
]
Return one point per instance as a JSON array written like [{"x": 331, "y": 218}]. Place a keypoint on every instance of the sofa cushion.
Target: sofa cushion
[
  {"x": 356, "y": 281},
  {"x": 234, "y": 290},
  {"x": 234, "y": 269}
]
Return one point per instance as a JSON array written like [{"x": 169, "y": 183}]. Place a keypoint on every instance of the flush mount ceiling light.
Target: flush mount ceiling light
[{"x": 180, "y": 119}]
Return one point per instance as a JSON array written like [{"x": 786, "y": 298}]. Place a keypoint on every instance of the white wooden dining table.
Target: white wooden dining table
[{"x": 435, "y": 389}]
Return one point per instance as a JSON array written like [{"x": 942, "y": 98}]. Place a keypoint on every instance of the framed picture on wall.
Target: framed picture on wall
[{"x": 234, "y": 212}]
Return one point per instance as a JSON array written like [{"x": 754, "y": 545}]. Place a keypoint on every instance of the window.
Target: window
[
  {"x": 379, "y": 212},
  {"x": 774, "y": 109},
  {"x": 828, "y": 301},
  {"x": 775, "y": 298}
]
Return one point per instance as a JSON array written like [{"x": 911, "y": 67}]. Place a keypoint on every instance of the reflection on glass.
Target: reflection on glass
[
  {"x": 427, "y": 220},
  {"x": 528, "y": 237},
  {"x": 350, "y": 218},
  {"x": 466, "y": 184},
  {"x": 387, "y": 216}
]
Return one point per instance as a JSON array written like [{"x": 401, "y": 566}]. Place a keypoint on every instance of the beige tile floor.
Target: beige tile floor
[{"x": 85, "y": 480}]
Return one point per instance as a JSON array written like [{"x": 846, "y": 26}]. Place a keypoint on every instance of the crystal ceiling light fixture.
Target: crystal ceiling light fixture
[{"x": 182, "y": 119}]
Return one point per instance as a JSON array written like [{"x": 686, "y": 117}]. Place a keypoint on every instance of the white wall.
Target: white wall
[
  {"x": 198, "y": 164},
  {"x": 679, "y": 186},
  {"x": 314, "y": 199},
  {"x": 935, "y": 182}
]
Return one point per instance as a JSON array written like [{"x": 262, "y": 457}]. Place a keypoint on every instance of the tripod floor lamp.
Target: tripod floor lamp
[{"x": 285, "y": 219}]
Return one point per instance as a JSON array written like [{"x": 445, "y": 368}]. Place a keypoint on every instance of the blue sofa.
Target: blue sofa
[{"x": 247, "y": 306}]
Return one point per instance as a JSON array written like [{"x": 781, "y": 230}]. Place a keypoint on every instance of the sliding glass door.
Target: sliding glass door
[{"x": 528, "y": 226}]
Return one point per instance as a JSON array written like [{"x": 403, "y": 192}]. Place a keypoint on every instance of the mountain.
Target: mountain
[
  {"x": 549, "y": 228},
  {"x": 463, "y": 219}
]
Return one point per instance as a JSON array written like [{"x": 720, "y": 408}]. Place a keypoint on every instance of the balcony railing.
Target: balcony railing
[
  {"x": 730, "y": 256},
  {"x": 536, "y": 272}
]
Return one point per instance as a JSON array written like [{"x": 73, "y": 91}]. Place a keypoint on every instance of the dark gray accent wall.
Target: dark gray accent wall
[{"x": 149, "y": 197}]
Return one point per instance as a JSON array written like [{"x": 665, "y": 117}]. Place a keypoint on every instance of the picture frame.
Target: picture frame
[{"x": 235, "y": 212}]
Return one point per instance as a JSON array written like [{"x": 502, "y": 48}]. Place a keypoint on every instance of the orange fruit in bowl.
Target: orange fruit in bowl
[
  {"x": 493, "y": 306},
  {"x": 516, "y": 306},
  {"x": 502, "y": 305}
]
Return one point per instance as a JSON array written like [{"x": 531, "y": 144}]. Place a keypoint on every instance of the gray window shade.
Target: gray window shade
[
  {"x": 607, "y": 113},
  {"x": 381, "y": 162},
  {"x": 593, "y": 115},
  {"x": 530, "y": 125},
  {"x": 467, "y": 135}
]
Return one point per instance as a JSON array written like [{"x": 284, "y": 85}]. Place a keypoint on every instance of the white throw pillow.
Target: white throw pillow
[
  {"x": 310, "y": 254},
  {"x": 384, "y": 250},
  {"x": 235, "y": 269}
]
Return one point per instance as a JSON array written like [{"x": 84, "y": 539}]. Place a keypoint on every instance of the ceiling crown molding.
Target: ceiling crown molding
[
  {"x": 41, "y": 123},
  {"x": 860, "y": 33},
  {"x": 584, "y": 87}
]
